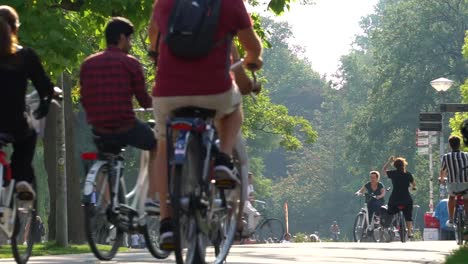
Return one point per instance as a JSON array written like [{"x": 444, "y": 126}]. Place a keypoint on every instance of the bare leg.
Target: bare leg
[
  {"x": 153, "y": 186},
  {"x": 451, "y": 207},
  {"x": 159, "y": 177},
  {"x": 228, "y": 127},
  {"x": 409, "y": 225}
]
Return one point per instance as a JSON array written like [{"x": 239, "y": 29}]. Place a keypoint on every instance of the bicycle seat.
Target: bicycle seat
[
  {"x": 5, "y": 139},
  {"x": 105, "y": 145},
  {"x": 194, "y": 112}
]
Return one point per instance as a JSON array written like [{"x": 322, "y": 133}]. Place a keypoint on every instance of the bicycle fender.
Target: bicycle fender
[{"x": 91, "y": 177}]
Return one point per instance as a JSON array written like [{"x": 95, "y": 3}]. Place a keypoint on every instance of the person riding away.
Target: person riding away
[
  {"x": 203, "y": 82},
  {"x": 401, "y": 181},
  {"x": 108, "y": 81},
  {"x": 376, "y": 191},
  {"x": 457, "y": 177},
  {"x": 19, "y": 64}
]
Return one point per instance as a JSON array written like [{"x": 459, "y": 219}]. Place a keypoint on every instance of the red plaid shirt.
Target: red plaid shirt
[{"x": 108, "y": 81}]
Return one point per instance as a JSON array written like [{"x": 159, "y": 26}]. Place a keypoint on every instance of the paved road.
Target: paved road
[{"x": 317, "y": 253}]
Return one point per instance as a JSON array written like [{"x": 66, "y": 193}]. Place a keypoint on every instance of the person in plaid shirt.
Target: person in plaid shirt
[{"x": 109, "y": 80}]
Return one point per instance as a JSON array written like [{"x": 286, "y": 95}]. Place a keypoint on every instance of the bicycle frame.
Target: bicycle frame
[{"x": 139, "y": 191}]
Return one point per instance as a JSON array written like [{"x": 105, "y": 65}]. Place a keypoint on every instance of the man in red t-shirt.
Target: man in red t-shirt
[{"x": 204, "y": 82}]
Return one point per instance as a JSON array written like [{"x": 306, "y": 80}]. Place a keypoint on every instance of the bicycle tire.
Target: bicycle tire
[
  {"x": 26, "y": 212},
  {"x": 184, "y": 181},
  {"x": 232, "y": 215},
  {"x": 151, "y": 235},
  {"x": 359, "y": 227},
  {"x": 377, "y": 234},
  {"x": 271, "y": 228},
  {"x": 459, "y": 225},
  {"x": 104, "y": 238},
  {"x": 402, "y": 225}
]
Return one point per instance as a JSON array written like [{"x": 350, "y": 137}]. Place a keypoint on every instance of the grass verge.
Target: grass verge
[
  {"x": 459, "y": 256},
  {"x": 51, "y": 248}
]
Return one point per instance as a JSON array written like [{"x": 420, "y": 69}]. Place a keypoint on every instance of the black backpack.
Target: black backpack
[{"x": 191, "y": 28}]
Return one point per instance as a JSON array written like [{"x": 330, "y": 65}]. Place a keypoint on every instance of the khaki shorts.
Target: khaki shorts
[
  {"x": 457, "y": 187},
  {"x": 224, "y": 103}
]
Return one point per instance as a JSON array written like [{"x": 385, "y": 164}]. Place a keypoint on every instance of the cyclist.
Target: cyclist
[
  {"x": 19, "y": 64},
  {"x": 376, "y": 191},
  {"x": 203, "y": 82},
  {"x": 252, "y": 213},
  {"x": 335, "y": 230},
  {"x": 109, "y": 80},
  {"x": 401, "y": 181},
  {"x": 457, "y": 178}
]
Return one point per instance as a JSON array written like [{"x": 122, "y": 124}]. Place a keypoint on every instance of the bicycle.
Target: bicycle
[
  {"x": 203, "y": 214},
  {"x": 109, "y": 210},
  {"x": 268, "y": 229},
  {"x": 17, "y": 216},
  {"x": 459, "y": 218},
  {"x": 362, "y": 228}
]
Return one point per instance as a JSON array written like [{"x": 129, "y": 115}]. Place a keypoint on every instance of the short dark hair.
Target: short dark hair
[
  {"x": 115, "y": 27},
  {"x": 454, "y": 142}
]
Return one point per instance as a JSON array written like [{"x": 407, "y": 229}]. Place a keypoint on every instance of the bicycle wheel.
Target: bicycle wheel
[
  {"x": 402, "y": 227},
  {"x": 186, "y": 208},
  {"x": 359, "y": 227},
  {"x": 22, "y": 239},
  {"x": 272, "y": 229},
  {"x": 459, "y": 225},
  {"x": 104, "y": 238},
  {"x": 229, "y": 217},
  {"x": 378, "y": 234},
  {"x": 151, "y": 235}
]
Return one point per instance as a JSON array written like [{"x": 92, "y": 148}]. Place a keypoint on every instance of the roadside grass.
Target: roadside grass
[
  {"x": 51, "y": 248},
  {"x": 459, "y": 256}
]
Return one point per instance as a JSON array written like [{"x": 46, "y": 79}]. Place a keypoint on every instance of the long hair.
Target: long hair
[
  {"x": 8, "y": 24},
  {"x": 400, "y": 164}
]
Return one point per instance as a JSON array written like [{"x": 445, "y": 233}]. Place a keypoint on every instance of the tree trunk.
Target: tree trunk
[
  {"x": 75, "y": 212},
  {"x": 50, "y": 163},
  {"x": 61, "y": 191}
]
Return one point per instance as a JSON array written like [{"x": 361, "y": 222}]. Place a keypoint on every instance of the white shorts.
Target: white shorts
[
  {"x": 453, "y": 188},
  {"x": 224, "y": 103}
]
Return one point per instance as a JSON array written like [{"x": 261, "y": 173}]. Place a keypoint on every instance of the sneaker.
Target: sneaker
[
  {"x": 450, "y": 224},
  {"x": 152, "y": 207},
  {"x": 166, "y": 235},
  {"x": 25, "y": 191},
  {"x": 225, "y": 174}
]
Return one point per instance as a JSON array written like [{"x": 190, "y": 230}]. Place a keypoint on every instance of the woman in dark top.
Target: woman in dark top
[
  {"x": 18, "y": 65},
  {"x": 376, "y": 193},
  {"x": 402, "y": 180}
]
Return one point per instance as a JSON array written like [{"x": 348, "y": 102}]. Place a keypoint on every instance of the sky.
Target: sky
[{"x": 327, "y": 29}]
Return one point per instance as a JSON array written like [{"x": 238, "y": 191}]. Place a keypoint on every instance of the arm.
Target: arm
[
  {"x": 41, "y": 82},
  {"x": 153, "y": 31},
  {"x": 252, "y": 46},
  {"x": 361, "y": 191},
  {"x": 443, "y": 172},
  {"x": 382, "y": 193},
  {"x": 384, "y": 168},
  {"x": 139, "y": 88}
]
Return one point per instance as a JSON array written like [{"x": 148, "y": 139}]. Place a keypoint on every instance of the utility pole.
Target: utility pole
[{"x": 431, "y": 177}]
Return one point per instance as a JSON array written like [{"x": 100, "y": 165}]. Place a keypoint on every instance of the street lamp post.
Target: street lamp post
[{"x": 441, "y": 85}]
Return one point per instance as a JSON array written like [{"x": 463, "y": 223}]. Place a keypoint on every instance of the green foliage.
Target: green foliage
[
  {"x": 300, "y": 238},
  {"x": 459, "y": 256}
]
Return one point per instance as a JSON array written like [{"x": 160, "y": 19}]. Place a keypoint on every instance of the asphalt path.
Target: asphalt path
[{"x": 320, "y": 253}]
